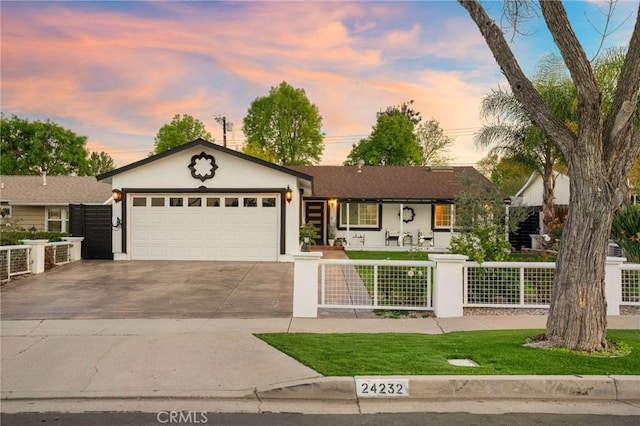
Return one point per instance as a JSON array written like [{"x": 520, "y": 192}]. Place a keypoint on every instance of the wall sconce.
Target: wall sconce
[
  {"x": 117, "y": 225},
  {"x": 288, "y": 194},
  {"x": 117, "y": 195},
  {"x": 305, "y": 242},
  {"x": 333, "y": 202}
]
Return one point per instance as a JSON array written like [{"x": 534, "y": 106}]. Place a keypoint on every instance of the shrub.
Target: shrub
[
  {"x": 11, "y": 238},
  {"x": 308, "y": 228},
  {"x": 625, "y": 231},
  {"x": 482, "y": 244}
]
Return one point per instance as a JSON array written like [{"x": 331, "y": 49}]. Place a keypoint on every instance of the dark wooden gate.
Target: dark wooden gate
[
  {"x": 314, "y": 214},
  {"x": 93, "y": 222},
  {"x": 530, "y": 226}
]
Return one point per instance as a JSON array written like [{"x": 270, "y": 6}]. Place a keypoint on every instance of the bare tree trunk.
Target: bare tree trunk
[{"x": 577, "y": 317}]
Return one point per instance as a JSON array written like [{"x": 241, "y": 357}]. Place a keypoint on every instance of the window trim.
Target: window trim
[
  {"x": 64, "y": 218},
  {"x": 343, "y": 227}
]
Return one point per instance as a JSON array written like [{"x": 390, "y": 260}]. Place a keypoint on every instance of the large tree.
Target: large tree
[
  {"x": 31, "y": 148},
  {"x": 435, "y": 144},
  {"x": 284, "y": 127},
  {"x": 100, "y": 162},
  {"x": 392, "y": 143},
  {"x": 181, "y": 130},
  {"x": 599, "y": 157}
]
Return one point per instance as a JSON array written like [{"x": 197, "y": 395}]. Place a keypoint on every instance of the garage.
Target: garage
[
  {"x": 204, "y": 227},
  {"x": 204, "y": 202}
]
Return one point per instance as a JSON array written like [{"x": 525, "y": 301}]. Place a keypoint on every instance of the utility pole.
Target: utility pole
[{"x": 223, "y": 120}]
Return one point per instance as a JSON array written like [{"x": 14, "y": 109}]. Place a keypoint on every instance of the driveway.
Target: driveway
[{"x": 92, "y": 289}]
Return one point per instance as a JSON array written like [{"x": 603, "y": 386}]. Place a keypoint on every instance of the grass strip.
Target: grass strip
[{"x": 498, "y": 352}]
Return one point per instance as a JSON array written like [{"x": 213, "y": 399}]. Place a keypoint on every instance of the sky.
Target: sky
[{"x": 117, "y": 71}]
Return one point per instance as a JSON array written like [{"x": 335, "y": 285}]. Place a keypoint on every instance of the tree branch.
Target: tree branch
[
  {"x": 589, "y": 98},
  {"x": 625, "y": 100},
  {"x": 520, "y": 85}
]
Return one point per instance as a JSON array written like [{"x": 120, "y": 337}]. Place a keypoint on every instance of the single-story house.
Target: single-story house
[
  {"x": 43, "y": 201},
  {"x": 530, "y": 197},
  {"x": 202, "y": 201}
]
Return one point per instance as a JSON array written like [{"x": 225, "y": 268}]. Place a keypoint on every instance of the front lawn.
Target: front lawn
[{"x": 497, "y": 352}]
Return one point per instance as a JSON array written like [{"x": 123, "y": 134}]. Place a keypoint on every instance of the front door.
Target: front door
[{"x": 314, "y": 214}]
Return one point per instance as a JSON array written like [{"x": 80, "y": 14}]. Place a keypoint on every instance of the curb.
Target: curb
[{"x": 625, "y": 388}]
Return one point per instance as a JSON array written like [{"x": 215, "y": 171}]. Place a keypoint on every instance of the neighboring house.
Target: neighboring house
[
  {"x": 43, "y": 201},
  {"x": 201, "y": 201},
  {"x": 530, "y": 197}
]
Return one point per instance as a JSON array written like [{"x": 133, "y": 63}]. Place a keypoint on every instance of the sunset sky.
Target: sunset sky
[{"x": 117, "y": 71}]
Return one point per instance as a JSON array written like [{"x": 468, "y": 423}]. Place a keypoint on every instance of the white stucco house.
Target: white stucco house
[
  {"x": 531, "y": 192},
  {"x": 202, "y": 201}
]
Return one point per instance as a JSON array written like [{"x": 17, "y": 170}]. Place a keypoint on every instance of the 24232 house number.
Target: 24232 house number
[{"x": 373, "y": 388}]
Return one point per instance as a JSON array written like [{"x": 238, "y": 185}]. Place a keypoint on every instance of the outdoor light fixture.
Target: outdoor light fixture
[
  {"x": 305, "y": 242},
  {"x": 288, "y": 194},
  {"x": 333, "y": 202},
  {"x": 33, "y": 232},
  {"x": 117, "y": 195}
]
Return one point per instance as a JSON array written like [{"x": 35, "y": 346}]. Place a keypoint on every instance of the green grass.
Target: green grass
[{"x": 497, "y": 352}]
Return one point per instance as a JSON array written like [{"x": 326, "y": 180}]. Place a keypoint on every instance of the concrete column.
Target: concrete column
[
  {"x": 37, "y": 254},
  {"x": 76, "y": 249},
  {"x": 305, "y": 284},
  {"x": 448, "y": 285},
  {"x": 613, "y": 284}
]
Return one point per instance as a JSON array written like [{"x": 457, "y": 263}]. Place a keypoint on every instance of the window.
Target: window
[
  {"x": 250, "y": 202},
  {"x": 195, "y": 202},
  {"x": 157, "y": 202},
  {"x": 5, "y": 211},
  {"x": 360, "y": 215},
  {"x": 176, "y": 201},
  {"x": 213, "y": 202},
  {"x": 57, "y": 219},
  {"x": 231, "y": 202},
  {"x": 139, "y": 201},
  {"x": 269, "y": 202},
  {"x": 442, "y": 216}
]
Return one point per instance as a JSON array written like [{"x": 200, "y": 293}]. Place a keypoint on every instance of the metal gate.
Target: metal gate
[{"x": 93, "y": 222}]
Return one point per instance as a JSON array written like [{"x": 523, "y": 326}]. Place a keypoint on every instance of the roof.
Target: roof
[
  {"x": 205, "y": 144},
  {"x": 391, "y": 182},
  {"x": 29, "y": 190}
]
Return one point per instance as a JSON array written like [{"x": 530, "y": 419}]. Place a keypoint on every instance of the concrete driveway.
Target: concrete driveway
[{"x": 92, "y": 289}]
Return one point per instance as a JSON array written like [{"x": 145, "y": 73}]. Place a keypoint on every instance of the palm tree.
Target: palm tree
[{"x": 512, "y": 133}]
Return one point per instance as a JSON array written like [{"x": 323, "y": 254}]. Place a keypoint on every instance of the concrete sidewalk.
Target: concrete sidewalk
[{"x": 138, "y": 364}]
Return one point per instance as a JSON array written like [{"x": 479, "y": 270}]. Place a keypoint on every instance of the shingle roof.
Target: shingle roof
[
  {"x": 390, "y": 182},
  {"x": 58, "y": 190}
]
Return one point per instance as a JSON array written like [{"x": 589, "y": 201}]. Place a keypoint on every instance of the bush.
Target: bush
[
  {"x": 11, "y": 238},
  {"x": 625, "y": 231},
  {"x": 311, "y": 230},
  {"x": 482, "y": 244}
]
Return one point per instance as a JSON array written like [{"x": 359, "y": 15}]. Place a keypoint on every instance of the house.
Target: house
[
  {"x": 202, "y": 201},
  {"x": 530, "y": 197},
  {"x": 43, "y": 201},
  {"x": 379, "y": 207}
]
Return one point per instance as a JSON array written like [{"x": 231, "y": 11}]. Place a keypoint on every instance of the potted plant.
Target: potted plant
[{"x": 332, "y": 234}]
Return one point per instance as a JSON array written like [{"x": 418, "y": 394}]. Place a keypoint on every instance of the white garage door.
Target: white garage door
[{"x": 204, "y": 227}]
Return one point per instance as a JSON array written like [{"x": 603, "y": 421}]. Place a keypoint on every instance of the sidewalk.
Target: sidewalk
[{"x": 157, "y": 364}]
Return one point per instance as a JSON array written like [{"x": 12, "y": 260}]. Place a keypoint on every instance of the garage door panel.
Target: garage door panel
[{"x": 204, "y": 232}]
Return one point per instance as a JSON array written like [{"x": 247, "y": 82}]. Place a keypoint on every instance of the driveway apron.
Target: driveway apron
[{"x": 92, "y": 289}]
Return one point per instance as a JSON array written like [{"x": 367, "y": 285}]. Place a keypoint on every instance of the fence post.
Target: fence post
[
  {"x": 448, "y": 285},
  {"x": 37, "y": 254},
  {"x": 76, "y": 248},
  {"x": 305, "y": 284},
  {"x": 613, "y": 284}
]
